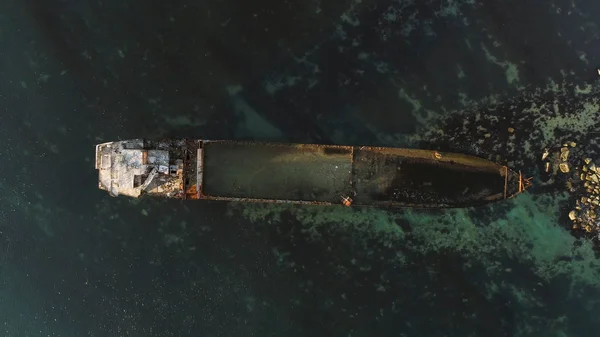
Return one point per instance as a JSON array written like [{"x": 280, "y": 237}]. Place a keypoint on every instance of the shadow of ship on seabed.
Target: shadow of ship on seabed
[{"x": 302, "y": 174}]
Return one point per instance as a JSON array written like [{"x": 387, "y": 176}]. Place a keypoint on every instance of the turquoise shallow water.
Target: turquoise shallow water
[{"x": 449, "y": 75}]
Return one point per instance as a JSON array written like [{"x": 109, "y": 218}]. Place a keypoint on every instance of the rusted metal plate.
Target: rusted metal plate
[{"x": 310, "y": 173}]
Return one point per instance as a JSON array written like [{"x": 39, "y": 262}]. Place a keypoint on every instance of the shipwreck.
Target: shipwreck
[{"x": 302, "y": 174}]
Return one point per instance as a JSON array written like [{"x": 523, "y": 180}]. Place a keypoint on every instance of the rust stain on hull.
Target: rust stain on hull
[{"x": 302, "y": 174}]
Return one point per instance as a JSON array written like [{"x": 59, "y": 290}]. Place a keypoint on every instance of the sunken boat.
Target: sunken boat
[{"x": 242, "y": 171}]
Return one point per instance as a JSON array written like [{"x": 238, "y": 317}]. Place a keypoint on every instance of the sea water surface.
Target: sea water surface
[{"x": 450, "y": 74}]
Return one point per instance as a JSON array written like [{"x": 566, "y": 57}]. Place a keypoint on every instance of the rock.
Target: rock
[
  {"x": 572, "y": 215},
  {"x": 564, "y": 167}
]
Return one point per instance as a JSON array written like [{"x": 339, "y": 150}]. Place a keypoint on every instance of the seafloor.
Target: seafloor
[{"x": 451, "y": 75}]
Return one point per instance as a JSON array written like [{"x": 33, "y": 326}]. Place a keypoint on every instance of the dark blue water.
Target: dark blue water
[{"x": 451, "y": 75}]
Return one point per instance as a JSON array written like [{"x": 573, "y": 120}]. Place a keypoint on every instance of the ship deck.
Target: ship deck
[
  {"x": 371, "y": 176},
  {"x": 415, "y": 178}
]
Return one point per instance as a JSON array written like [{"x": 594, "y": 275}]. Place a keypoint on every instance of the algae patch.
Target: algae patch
[{"x": 315, "y": 217}]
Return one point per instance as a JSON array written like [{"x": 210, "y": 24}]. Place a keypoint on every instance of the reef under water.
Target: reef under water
[{"x": 506, "y": 267}]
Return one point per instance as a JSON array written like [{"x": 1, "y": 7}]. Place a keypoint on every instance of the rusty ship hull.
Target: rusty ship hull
[{"x": 302, "y": 173}]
